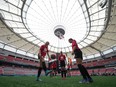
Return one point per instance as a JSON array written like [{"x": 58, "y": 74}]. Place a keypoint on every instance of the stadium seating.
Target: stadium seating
[
  {"x": 9, "y": 58},
  {"x": 96, "y": 71},
  {"x": 90, "y": 71},
  {"x": 73, "y": 73},
  {"x": 18, "y": 60},
  {"x": 110, "y": 70},
  {"x": 10, "y": 70},
  {"x": 1, "y": 71},
  {"x": 1, "y": 57},
  {"x": 5, "y": 69}
]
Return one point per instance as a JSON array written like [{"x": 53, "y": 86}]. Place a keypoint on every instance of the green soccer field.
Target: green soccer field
[{"x": 30, "y": 81}]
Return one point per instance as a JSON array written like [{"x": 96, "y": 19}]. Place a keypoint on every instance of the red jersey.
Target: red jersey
[
  {"x": 53, "y": 65},
  {"x": 62, "y": 57},
  {"x": 69, "y": 66},
  {"x": 74, "y": 43},
  {"x": 43, "y": 50}
]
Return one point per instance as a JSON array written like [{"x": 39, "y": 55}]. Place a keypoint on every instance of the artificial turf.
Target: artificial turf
[{"x": 30, "y": 81}]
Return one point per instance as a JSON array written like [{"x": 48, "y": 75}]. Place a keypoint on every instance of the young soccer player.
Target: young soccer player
[
  {"x": 62, "y": 60},
  {"x": 41, "y": 55},
  {"x": 79, "y": 57}
]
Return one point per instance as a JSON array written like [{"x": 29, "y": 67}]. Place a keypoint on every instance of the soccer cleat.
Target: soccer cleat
[
  {"x": 84, "y": 81},
  {"x": 38, "y": 79},
  {"x": 90, "y": 80},
  {"x": 47, "y": 72}
]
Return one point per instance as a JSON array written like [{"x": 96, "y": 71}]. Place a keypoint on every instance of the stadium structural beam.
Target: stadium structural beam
[
  {"x": 107, "y": 20},
  {"x": 102, "y": 55}
]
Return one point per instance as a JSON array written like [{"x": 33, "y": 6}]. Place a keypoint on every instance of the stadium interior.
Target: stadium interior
[{"x": 27, "y": 24}]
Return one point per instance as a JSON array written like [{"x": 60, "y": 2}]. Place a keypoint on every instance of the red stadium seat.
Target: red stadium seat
[
  {"x": 18, "y": 60},
  {"x": 8, "y": 71},
  {"x": 10, "y": 58},
  {"x": 1, "y": 70},
  {"x": 1, "y": 57}
]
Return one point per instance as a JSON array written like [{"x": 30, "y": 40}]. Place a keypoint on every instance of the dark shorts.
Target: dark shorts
[
  {"x": 68, "y": 69},
  {"x": 78, "y": 53},
  {"x": 62, "y": 63},
  {"x": 54, "y": 69}
]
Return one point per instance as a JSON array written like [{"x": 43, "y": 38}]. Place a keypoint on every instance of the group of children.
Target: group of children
[
  {"x": 76, "y": 51},
  {"x": 60, "y": 66}
]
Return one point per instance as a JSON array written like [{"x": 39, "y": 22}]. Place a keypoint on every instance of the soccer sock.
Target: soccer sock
[
  {"x": 82, "y": 71},
  {"x": 39, "y": 72},
  {"x": 44, "y": 66},
  {"x": 62, "y": 73},
  {"x": 86, "y": 72}
]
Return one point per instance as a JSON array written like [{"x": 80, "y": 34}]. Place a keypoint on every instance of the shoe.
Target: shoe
[
  {"x": 38, "y": 79},
  {"x": 47, "y": 72},
  {"x": 90, "y": 80},
  {"x": 84, "y": 81}
]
